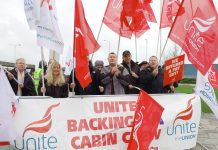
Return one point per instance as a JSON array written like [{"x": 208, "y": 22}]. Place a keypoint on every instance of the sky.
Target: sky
[{"x": 18, "y": 41}]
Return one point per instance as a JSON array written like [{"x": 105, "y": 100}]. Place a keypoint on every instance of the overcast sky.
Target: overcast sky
[{"x": 15, "y": 33}]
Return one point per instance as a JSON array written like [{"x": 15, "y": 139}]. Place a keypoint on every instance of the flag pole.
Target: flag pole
[
  {"x": 118, "y": 48},
  {"x": 97, "y": 39},
  {"x": 42, "y": 73},
  {"x": 170, "y": 31},
  {"x": 136, "y": 50},
  {"x": 73, "y": 70},
  {"x": 73, "y": 79},
  {"x": 159, "y": 33}
]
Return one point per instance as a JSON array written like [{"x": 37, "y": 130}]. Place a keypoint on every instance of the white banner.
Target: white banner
[
  {"x": 32, "y": 12},
  {"x": 103, "y": 122},
  {"x": 69, "y": 64},
  {"x": 48, "y": 33},
  {"x": 7, "y": 96},
  {"x": 42, "y": 17},
  {"x": 205, "y": 90}
]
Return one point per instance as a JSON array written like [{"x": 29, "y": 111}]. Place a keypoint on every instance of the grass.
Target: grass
[{"x": 189, "y": 89}]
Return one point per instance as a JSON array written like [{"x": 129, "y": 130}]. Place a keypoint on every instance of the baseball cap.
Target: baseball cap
[{"x": 126, "y": 52}]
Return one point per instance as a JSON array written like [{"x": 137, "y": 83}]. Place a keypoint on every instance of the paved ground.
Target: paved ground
[{"x": 208, "y": 133}]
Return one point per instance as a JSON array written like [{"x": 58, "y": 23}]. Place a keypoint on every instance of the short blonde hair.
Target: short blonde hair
[{"x": 51, "y": 80}]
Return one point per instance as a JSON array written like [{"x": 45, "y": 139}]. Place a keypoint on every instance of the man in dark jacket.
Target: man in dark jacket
[
  {"x": 91, "y": 89},
  {"x": 20, "y": 80},
  {"x": 133, "y": 70},
  {"x": 152, "y": 77}
]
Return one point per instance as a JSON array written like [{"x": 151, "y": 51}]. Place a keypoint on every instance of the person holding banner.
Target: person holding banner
[
  {"x": 152, "y": 77},
  {"x": 133, "y": 70},
  {"x": 114, "y": 77},
  {"x": 55, "y": 85},
  {"x": 91, "y": 89},
  {"x": 20, "y": 80}
]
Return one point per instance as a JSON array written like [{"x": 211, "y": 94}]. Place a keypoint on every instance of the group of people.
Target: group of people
[{"x": 124, "y": 78}]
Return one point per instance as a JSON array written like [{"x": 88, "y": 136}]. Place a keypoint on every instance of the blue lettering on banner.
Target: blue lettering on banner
[
  {"x": 48, "y": 38},
  {"x": 184, "y": 131},
  {"x": 37, "y": 143}
]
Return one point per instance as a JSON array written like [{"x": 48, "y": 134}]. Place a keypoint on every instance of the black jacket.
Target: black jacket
[
  {"x": 132, "y": 80},
  {"x": 92, "y": 88},
  {"x": 151, "y": 84},
  {"x": 29, "y": 87},
  {"x": 54, "y": 91}
]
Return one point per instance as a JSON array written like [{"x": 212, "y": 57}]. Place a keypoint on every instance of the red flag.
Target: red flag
[
  {"x": 147, "y": 10},
  {"x": 140, "y": 24},
  {"x": 84, "y": 44},
  {"x": 128, "y": 17},
  {"x": 112, "y": 18},
  {"x": 196, "y": 32},
  {"x": 147, "y": 117},
  {"x": 169, "y": 11}
]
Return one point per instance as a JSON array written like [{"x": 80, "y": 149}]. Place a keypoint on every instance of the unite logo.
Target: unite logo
[
  {"x": 138, "y": 122},
  {"x": 40, "y": 126},
  {"x": 198, "y": 31},
  {"x": 184, "y": 130},
  {"x": 172, "y": 8}
]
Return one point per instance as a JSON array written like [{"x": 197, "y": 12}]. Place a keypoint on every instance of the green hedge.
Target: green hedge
[{"x": 188, "y": 80}]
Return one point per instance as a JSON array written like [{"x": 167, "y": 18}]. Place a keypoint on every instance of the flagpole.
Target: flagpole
[
  {"x": 136, "y": 50},
  {"x": 160, "y": 33},
  {"x": 97, "y": 39},
  {"x": 42, "y": 73},
  {"x": 118, "y": 48},
  {"x": 170, "y": 30},
  {"x": 73, "y": 70},
  {"x": 73, "y": 79}
]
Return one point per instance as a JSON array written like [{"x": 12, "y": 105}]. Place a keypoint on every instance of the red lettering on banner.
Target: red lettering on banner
[
  {"x": 85, "y": 142},
  {"x": 111, "y": 107},
  {"x": 94, "y": 141},
  {"x": 118, "y": 122},
  {"x": 71, "y": 124},
  {"x": 99, "y": 123},
  {"x": 83, "y": 125},
  {"x": 91, "y": 124},
  {"x": 73, "y": 142},
  {"x": 102, "y": 123},
  {"x": 126, "y": 137}
]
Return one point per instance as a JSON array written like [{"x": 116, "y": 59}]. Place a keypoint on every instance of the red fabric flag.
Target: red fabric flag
[
  {"x": 169, "y": 11},
  {"x": 139, "y": 24},
  {"x": 115, "y": 20},
  {"x": 147, "y": 10},
  {"x": 196, "y": 32},
  {"x": 146, "y": 120},
  {"x": 84, "y": 44},
  {"x": 128, "y": 17}
]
